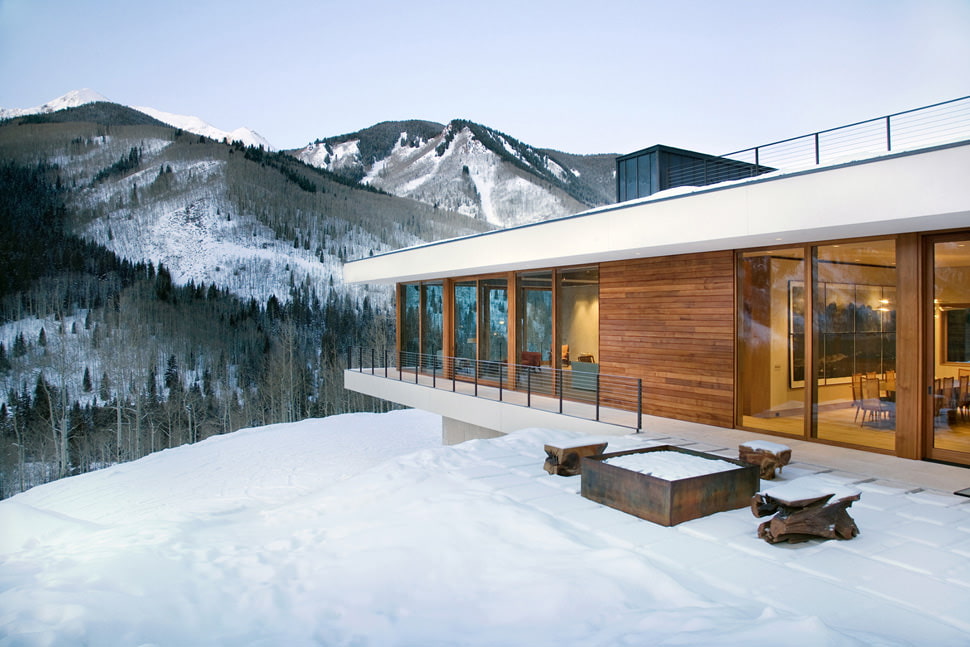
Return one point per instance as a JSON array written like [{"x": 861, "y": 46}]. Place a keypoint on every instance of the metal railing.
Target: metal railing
[
  {"x": 575, "y": 391},
  {"x": 940, "y": 123}
]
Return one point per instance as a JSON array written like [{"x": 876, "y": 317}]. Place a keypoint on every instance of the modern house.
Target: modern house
[{"x": 819, "y": 293}]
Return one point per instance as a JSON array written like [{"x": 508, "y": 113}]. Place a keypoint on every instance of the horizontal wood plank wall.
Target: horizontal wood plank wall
[{"x": 670, "y": 321}]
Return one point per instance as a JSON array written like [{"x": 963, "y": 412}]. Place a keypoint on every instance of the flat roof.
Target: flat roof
[{"x": 921, "y": 190}]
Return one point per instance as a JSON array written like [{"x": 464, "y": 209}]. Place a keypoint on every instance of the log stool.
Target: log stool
[
  {"x": 564, "y": 459},
  {"x": 803, "y": 513},
  {"x": 768, "y": 456}
]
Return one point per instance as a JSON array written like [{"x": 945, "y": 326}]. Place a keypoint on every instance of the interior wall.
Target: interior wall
[{"x": 579, "y": 320}]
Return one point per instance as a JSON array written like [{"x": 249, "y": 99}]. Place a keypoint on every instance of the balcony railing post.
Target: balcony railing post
[
  {"x": 476, "y": 377},
  {"x": 559, "y": 374},
  {"x": 373, "y": 359},
  {"x": 417, "y": 366},
  {"x": 528, "y": 387},
  {"x": 889, "y": 136},
  {"x": 639, "y": 404},
  {"x": 817, "y": 156},
  {"x": 385, "y": 362},
  {"x": 360, "y": 358},
  {"x": 597, "y": 397},
  {"x": 350, "y": 356},
  {"x": 500, "y": 383},
  {"x": 400, "y": 366}
]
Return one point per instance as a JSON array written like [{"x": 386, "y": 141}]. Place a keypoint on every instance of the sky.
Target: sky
[{"x": 612, "y": 76}]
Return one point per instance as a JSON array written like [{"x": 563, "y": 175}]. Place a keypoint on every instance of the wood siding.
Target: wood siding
[{"x": 670, "y": 321}]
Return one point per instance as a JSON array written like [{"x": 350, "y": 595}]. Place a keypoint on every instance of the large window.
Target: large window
[
  {"x": 950, "y": 392},
  {"x": 771, "y": 341},
  {"x": 854, "y": 292},
  {"x": 534, "y": 331},
  {"x": 421, "y": 324},
  {"x": 578, "y": 315},
  {"x": 466, "y": 319},
  {"x": 410, "y": 323},
  {"x": 431, "y": 325},
  {"x": 828, "y": 344}
]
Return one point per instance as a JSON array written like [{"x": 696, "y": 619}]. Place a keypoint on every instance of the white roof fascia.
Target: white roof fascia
[{"x": 922, "y": 190}]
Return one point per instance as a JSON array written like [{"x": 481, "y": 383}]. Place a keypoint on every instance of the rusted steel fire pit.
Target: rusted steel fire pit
[{"x": 668, "y": 501}]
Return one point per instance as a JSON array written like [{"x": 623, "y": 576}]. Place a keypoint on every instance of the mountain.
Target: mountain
[
  {"x": 158, "y": 286},
  {"x": 467, "y": 168},
  {"x": 195, "y": 125},
  {"x": 246, "y": 219},
  {"x": 72, "y": 99},
  {"x": 76, "y": 98}
]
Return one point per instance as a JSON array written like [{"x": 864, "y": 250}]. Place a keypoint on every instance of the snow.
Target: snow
[
  {"x": 198, "y": 126},
  {"x": 670, "y": 465},
  {"x": 766, "y": 445},
  {"x": 808, "y": 488},
  {"x": 72, "y": 99},
  {"x": 362, "y": 530}
]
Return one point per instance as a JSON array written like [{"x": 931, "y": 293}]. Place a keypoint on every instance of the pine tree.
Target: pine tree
[{"x": 86, "y": 381}]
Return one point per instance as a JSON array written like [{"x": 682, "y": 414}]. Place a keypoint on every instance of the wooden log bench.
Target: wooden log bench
[
  {"x": 803, "y": 513},
  {"x": 564, "y": 459},
  {"x": 767, "y": 455}
]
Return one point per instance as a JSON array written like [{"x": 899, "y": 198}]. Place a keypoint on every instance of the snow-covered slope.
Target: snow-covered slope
[
  {"x": 463, "y": 167},
  {"x": 362, "y": 530},
  {"x": 196, "y": 125},
  {"x": 191, "y": 124}
]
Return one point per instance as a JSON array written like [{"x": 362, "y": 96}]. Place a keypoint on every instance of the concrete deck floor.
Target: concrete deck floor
[
  {"x": 912, "y": 474},
  {"x": 865, "y": 465}
]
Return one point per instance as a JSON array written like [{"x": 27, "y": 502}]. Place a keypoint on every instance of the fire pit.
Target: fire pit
[{"x": 667, "y": 484}]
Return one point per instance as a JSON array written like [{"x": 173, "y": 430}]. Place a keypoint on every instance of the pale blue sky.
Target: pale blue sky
[{"x": 583, "y": 77}]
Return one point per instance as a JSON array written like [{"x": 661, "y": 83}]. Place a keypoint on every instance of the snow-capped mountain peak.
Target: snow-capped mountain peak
[
  {"x": 72, "y": 99},
  {"x": 196, "y": 125},
  {"x": 76, "y": 98}
]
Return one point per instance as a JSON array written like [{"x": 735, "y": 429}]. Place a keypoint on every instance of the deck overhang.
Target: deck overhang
[
  {"x": 487, "y": 412},
  {"x": 924, "y": 190}
]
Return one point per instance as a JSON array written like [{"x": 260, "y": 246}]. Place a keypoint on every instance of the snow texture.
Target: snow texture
[
  {"x": 670, "y": 465},
  {"x": 362, "y": 530}
]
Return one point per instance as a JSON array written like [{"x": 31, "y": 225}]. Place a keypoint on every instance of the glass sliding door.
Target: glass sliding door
[
  {"x": 578, "y": 317},
  {"x": 577, "y": 325},
  {"x": 854, "y": 343},
  {"x": 432, "y": 325},
  {"x": 466, "y": 326},
  {"x": 494, "y": 326},
  {"x": 771, "y": 341},
  {"x": 534, "y": 325},
  {"x": 950, "y": 390},
  {"x": 410, "y": 324}
]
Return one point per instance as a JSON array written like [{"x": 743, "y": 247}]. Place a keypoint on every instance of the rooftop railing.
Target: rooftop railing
[
  {"x": 578, "y": 391},
  {"x": 940, "y": 123}
]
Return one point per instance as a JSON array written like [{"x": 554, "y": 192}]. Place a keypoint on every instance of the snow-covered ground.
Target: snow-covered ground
[{"x": 363, "y": 530}]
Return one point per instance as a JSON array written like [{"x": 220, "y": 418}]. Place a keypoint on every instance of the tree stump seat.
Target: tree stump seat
[
  {"x": 767, "y": 455},
  {"x": 803, "y": 513},
  {"x": 564, "y": 459}
]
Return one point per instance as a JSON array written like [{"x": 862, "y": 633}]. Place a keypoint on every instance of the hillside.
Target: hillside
[
  {"x": 157, "y": 287},
  {"x": 468, "y": 168},
  {"x": 255, "y": 222}
]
